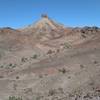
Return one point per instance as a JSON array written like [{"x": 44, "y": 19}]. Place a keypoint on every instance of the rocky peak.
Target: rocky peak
[
  {"x": 45, "y": 24},
  {"x": 44, "y": 16}
]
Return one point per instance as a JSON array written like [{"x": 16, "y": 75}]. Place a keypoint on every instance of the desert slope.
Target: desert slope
[{"x": 48, "y": 61}]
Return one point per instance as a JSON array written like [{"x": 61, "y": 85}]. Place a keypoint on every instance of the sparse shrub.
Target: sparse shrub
[
  {"x": 28, "y": 90},
  {"x": 24, "y": 59},
  {"x": 91, "y": 83},
  {"x": 1, "y": 76},
  {"x": 49, "y": 52},
  {"x": 17, "y": 77},
  {"x": 39, "y": 98},
  {"x": 58, "y": 51},
  {"x": 34, "y": 56},
  {"x": 60, "y": 90},
  {"x": 15, "y": 98},
  {"x": 95, "y": 62},
  {"x": 82, "y": 66},
  {"x": 82, "y": 31},
  {"x": 71, "y": 95},
  {"x": 87, "y": 96},
  {"x": 1, "y": 66},
  {"x": 52, "y": 92},
  {"x": 63, "y": 70},
  {"x": 12, "y": 65},
  {"x": 66, "y": 45},
  {"x": 40, "y": 76},
  {"x": 69, "y": 77}
]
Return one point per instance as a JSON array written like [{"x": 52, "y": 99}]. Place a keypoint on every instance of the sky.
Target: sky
[{"x": 71, "y": 13}]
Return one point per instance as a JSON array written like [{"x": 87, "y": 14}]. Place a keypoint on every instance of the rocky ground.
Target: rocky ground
[{"x": 47, "y": 61}]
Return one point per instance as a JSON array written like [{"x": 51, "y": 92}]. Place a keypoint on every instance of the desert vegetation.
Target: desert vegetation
[{"x": 15, "y": 98}]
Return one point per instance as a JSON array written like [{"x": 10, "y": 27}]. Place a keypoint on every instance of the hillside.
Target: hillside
[{"x": 48, "y": 61}]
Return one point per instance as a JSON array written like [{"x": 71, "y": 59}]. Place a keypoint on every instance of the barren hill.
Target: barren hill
[{"x": 48, "y": 61}]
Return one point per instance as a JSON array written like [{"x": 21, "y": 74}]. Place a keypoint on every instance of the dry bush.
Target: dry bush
[
  {"x": 63, "y": 70},
  {"x": 15, "y": 98}
]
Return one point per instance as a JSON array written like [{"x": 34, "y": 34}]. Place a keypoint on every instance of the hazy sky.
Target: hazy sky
[{"x": 18, "y": 13}]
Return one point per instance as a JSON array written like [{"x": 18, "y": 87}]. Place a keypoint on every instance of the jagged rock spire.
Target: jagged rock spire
[
  {"x": 45, "y": 26},
  {"x": 44, "y": 16}
]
